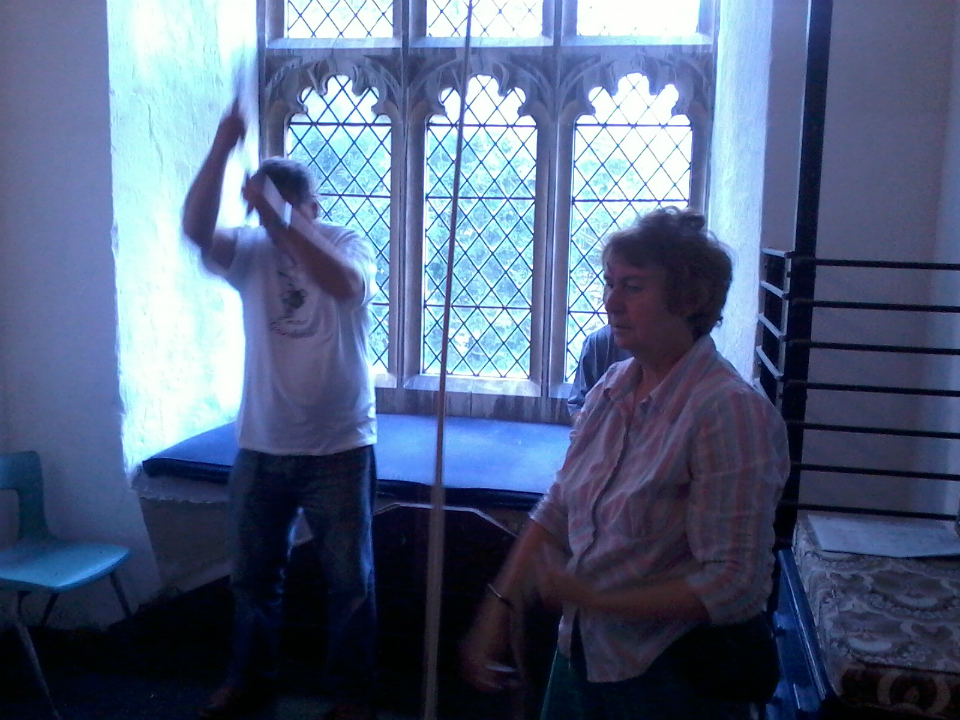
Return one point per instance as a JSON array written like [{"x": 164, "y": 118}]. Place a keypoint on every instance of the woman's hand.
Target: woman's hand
[{"x": 485, "y": 646}]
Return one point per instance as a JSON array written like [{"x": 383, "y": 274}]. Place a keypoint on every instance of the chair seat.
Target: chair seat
[
  {"x": 56, "y": 565},
  {"x": 38, "y": 560}
]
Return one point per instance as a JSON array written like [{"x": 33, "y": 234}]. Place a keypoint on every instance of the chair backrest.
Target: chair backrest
[{"x": 21, "y": 472}]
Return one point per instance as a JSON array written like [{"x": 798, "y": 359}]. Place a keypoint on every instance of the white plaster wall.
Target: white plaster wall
[
  {"x": 890, "y": 81},
  {"x": 737, "y": 164},
  {"x": 944, "y": 414},
  {"x": 3, "y": 390},
  {"x": 58, "y": 310},
  {"x": 887, "y": 109},
  {"x": 172, "y": 68}
]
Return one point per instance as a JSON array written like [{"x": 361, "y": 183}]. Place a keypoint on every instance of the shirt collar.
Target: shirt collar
[{"x": 670, "y": 395}]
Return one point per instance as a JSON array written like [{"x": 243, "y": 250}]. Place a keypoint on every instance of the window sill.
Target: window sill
[
  {"x": 307, "y": 44},
  {"x": 480, "y": 386},
  {"x": 561, "y": 391},
  {"x": 384, "y": 380},
  {"x": 487, "y": 463}
]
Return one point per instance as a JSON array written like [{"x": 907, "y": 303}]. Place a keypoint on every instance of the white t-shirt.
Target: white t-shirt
[{"x": 307, "y": 385}]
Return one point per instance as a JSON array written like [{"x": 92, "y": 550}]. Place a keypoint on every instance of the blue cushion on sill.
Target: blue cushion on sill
[{"x": 487, "y": 463}]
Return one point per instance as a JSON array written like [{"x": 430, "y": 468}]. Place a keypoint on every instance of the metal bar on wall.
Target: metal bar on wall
[{"x": 802, "y": 277}]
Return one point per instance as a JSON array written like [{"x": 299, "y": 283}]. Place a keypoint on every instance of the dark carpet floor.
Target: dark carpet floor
[{"x": 163, "y": 663}]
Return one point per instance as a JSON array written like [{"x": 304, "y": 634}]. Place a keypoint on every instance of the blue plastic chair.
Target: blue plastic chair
[{"x": 38, "y": 561}]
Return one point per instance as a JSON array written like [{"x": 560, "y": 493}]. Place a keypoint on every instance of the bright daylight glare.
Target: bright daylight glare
[
  {"x": 637, "y": 17},
  {"x": 492, "y": 18}
]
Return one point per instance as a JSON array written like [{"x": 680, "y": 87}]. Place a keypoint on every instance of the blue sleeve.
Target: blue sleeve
[
  {"x": 587, "y": 375},
  {"x": 599, "y": 352}
]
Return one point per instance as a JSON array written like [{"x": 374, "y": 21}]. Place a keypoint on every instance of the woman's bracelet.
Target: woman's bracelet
[{"x": 505, "y": 600}]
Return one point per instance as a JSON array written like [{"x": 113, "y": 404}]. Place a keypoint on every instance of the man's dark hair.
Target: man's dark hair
[
  {"x": 697, "y": 266},
  {"x": 293, "y": 179}
]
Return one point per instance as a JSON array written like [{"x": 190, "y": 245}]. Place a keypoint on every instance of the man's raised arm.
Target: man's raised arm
[{"x": 202, "y": 204}]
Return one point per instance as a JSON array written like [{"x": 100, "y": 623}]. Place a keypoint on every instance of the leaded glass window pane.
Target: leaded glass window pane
[
  {"x": 491, "y": 18},
  {"x": 637, "y": 17},
  {"x": 629, "y": 157},
  {"x": 491, "y": 298},
  {"x": 339, "y": 18},
  {"x": 348, "y": 147}
]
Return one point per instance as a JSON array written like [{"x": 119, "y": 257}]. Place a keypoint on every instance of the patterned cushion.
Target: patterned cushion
[{"x": 889, "y": 628}]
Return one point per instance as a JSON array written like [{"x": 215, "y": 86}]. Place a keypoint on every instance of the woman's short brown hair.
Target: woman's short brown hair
[{"x": 697, "y": 266}]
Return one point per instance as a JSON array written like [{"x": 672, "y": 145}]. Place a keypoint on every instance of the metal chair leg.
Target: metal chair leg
[
  {"x": 48, "y": 609},
  {"x": 27, "y": 641},
  {"x": 120, "y": 595}
]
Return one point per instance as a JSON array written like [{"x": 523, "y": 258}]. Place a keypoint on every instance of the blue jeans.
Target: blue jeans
[
  {"x": 661, "y": 693},
  {"x": 335, "y": 493}
]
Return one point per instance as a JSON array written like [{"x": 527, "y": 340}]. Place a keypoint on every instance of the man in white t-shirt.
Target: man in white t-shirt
[{"x": 307, "y": 422}]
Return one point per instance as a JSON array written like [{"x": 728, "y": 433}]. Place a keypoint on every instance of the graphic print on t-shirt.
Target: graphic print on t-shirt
[{"x": 299, "y": 317}]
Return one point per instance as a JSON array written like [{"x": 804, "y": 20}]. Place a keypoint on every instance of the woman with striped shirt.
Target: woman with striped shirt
[{"x": 661, "y": 517}]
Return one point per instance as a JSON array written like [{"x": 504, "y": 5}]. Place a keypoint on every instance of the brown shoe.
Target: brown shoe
[
  {"x": 349, "y": 711},
  {"x": 235, "y": 701}
]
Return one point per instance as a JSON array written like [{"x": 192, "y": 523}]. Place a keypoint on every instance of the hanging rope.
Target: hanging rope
[{"x": 435, "y": 547}]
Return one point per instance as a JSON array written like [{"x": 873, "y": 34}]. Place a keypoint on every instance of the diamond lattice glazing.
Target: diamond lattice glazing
[
  {"x": 348, "y": 147},
  {"x": 339, "y": 18},
  {"x": 493, "y": 266},
  {"x": 630, "y": 156}
]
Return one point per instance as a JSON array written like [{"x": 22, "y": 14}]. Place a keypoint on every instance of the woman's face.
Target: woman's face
[{"x": 636, "y": 304}]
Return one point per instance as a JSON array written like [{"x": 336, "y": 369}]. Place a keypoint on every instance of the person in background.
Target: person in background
[
  {"x": 598, "y": 353},
  {"x": 661, "y": 517},
  {"x": 307, "y": 423}
]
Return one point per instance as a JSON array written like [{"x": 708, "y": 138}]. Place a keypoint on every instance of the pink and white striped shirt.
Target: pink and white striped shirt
[{"x": 683, "y": 484}]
